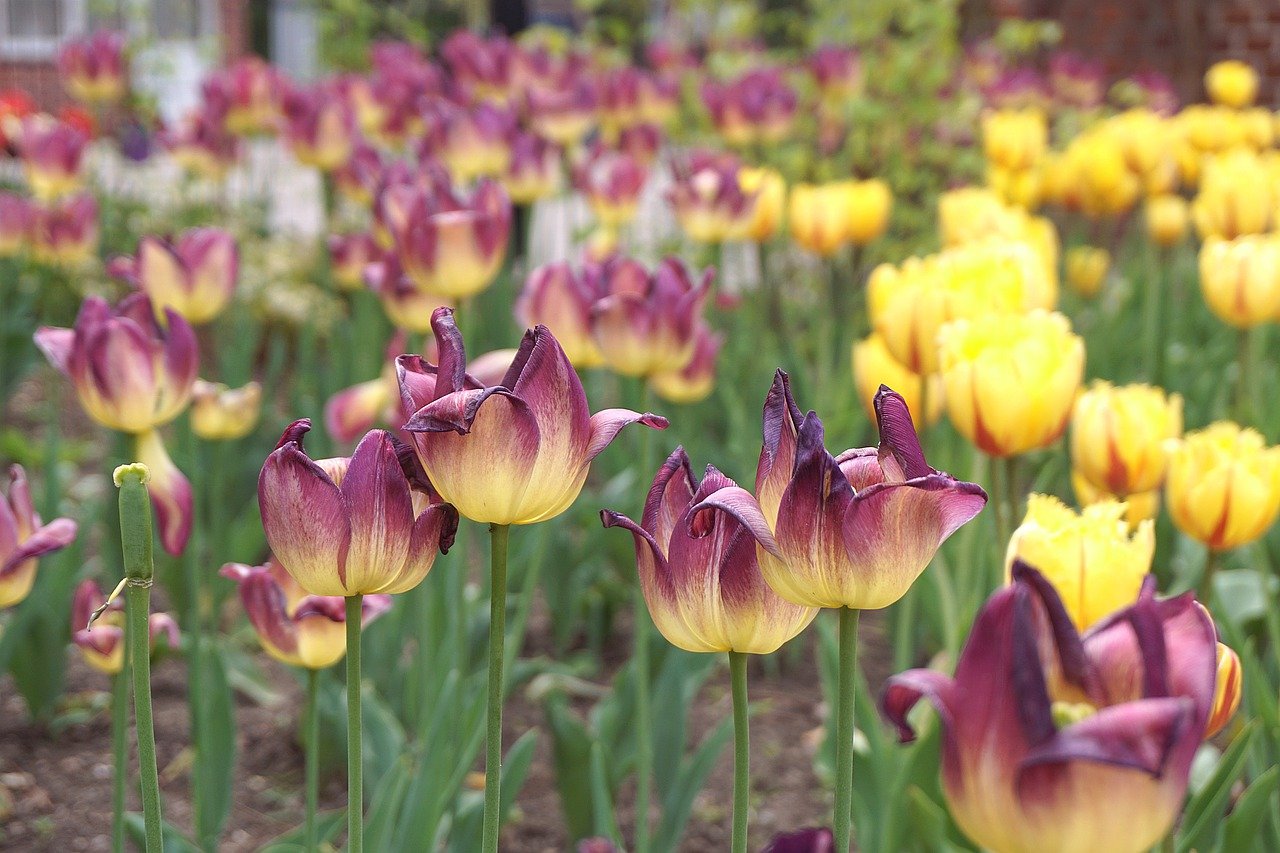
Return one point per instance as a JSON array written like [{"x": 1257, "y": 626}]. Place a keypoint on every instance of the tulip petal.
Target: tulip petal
[
  {"x": 379, "y": 508},
  {"x": 672, "y": 490},
  {"x": 353, "y": 411},
  {"x": 170, "y": 493},
  {"x": 162, "y": 625},
  {"x": 541, "y": 375},
  {"x": 264, "y": 604},
  {"x": 372, "y": 607},
  {"x": 742, "y": 506},
  {"x": 904, "y": 690},
  {"x": 56, "y": 345},
  {"x": 452, "y": 363},
  {"x": 607, "y": 423},
  {"x": 53, "y": 536},
  {"x": 898, "y": 434}
]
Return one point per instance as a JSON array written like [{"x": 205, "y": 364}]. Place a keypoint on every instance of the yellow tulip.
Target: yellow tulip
[
  {"x": 1020, "y": 187},
  {"x": 1238, "y": 195},
  {"x": 1167, "y": 217},
  {"x": 874, "y": 365},
  {"x": 219, "y": 413},
  {"x": 1087, "y": 268},
  {"x": 1223, "y": 487},
  {"x": 818, "y": 217},
  {"x": 1231, "y": 83},
  {"x": 1138, "y": 507},
  {"x": 1103, "y": 184},
  {"x": 1009, "y": 380},
  {"x": 868, "y": 206},
  {"x": 1118, "y": 436},
  {"x": 771, "y": 195},
  {"x": 1015, "y": 139},
  {"x": 1092, "y": 559},
  {"x": 1240, "y": 278}
]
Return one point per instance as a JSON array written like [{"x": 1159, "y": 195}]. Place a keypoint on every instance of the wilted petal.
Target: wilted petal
[
  {"x": 669, "y": 496},
  {"x": 782, "y": 419},
  {"x": 660, "y": 593},
  {"x": 53, "y": 536},
  {"x": 607, "y": 423}
]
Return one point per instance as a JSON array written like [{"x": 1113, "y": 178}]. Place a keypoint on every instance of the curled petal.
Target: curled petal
[
  {"x": 264, "y": 604},
  {"x": 904, "y": 690},
  {"x": 742, "y": 506},
  {"x": 672, "y": 490},
  {"x": 660, "y": 593},
  {"x": 898, "y": 434},
  {"x": 782, "y": 419},
  {"x": 607, "y": 423},
  {"x": 1139, "y": 735}
]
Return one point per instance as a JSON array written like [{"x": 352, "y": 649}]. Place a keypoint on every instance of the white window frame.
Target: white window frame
[{"x": 41, "y": 49}]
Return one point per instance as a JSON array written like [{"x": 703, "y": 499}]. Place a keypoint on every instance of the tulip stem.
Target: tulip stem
[
  {"x": 139, "y": 567},
  {"x": 312, "y": 747},
  {"x": 1244, "y": 366},
  {"x": 355, "y": 730},
  {"x": 498, "y": 534},
  {"x": 120, "y": 751},
  {"x": 843, "y": 819},
  {"x": 741, "y": 751},
  {"x": 1206, "y": 577},
  {"x": 640, "y": 662}
]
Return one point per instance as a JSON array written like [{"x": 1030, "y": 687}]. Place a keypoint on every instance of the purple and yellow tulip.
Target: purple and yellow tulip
[
  {"x": 194, "y": 275},
  {"x": 837, "y": 72},
  {"x": 708, "y": 199},
  {"x": 472, "y": 142},
  {"x": 17, "y": 219},
  {"x": 350, "y": 255},
  {"x": 558, "y": 297},
  {"x": 352, "y": 526},
  {"x": 612, "y": 182},
  {"x": 757, "y": 107},
  {"x": 93, "y": 68},
  {"x": 202, "y": 145},
  {"x": 514, "y": 453},
  {"x": 319, "y": 127},
  {"x": 296, "y": 628},
  {"x": 1053, "y": 741},
  {"x": 695, "y": 381},
  {"x": 698, "y": 568},
  {"x": 102, "y": 643},
  {"x": 247, "y": 96},
  {"x": 533, "y": 171},
  {"x": 563, "y": 114},
  {"x": 24, "y": 538},
  {"x": 219, "y": 413},
  {"x": 52, "y": 156},
  {"x": 64, "y": 233}
]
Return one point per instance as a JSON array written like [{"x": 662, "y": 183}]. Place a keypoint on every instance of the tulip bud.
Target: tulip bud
[
  {"x": 874, "y": 366},
  {"x": 814, "y": 840},
  {"x": 1232, "y": 201},
  {"x": 25, "y": 539},
  {"x": 472, "y": 142},
  {"x": 1240, "y": 279},
  {"x": 708, "y": 199},
  {"x": 102, "y": 642},
  {"x": 93, "y": 68},
  {"x": 194, "y": 275},
  {"x": 837, "y": 71},
  {"x": 296, "y": 628},
  {"x": 698, "y": 568},
  {"x": 1227, "y": 691},
  {"x": 1167, "y": 217},
  {"x": 818, "y": 215},
  {"x": 612, "y": 182},
  {"x": 565, "y": 114},
  {"x": 359, "y": 177},
  {"x": 534, "y": 170},
  {"x": 869, "y": 204},
  {"x": 647, "y": 323},
  {"x": 1010, "y": 381},
  {"x": 1223, "y": 487},
  {"x": 53, "y": 157},
  {"x": 1092, "y": 559},
  {"x": 202, "y": 145},
  {"x": 516, "y": 453},
  {"x": 557, "y": 297},
  {"x": 1118, "y": 436},
  {"x": 246, "y": 94},
  {"x": 696, "y": 380},
  {"x": 1231, "y": 83},
  {"x": 130, "y": 373},
  {"x": 219, "y": 413},
  {"x": 1087, "y": 268},
  {"x": 319, "y": 127}
]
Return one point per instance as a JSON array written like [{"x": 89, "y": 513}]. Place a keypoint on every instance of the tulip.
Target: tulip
[
  {"x": 170, "y": 491},
  {"x": 64, "y": 233},
  {"x": 1087, "y": 268},
  {"x": 696, "y": 380},
  {"x": 515, "y": 453},
  {"x": 1223, "y": 487},
  {"x": 640, "y": 142},
  {"x": 1240, "y": 278},
  {"x": 853, "y": 530},
  {"x": 565, "y": 114},
  {"x": 1231, "y": 83},
  {"x": 202, "y": 145},
  {"x": 1015, "y": 139},
  {"x": 1077, "y": 81},
  {"x": 319, "y": 127},
  {"x": 130, "y": 373},
  {"x": 1232, "y": 200},
  {"x": 1009, "y": 381},
  {"x": 93, "y": 68},
  {"x": 837, "y": 72},
  {"x": 869, "y": 203},
  {"x": 102, "y": 643},
  {"x": 353, "y": 411},
  {"x": 612, "y": 182},
  {"x": 647, "y": 324},
  {"x": 818, "y": 215},
  {"x": 1099, "y": 176},
  {"x": 246, "y": 94},
  {"x": 1095, "y": 563},
  {"x": 194, "y": 275},
  {"x": 483, "y": 66},
  {"x": 560, "y": 299},
  {"x": 52, "y": 157},
  {"x": 17, "y": 218},
  {"x": 358, "y": 178},
  {"x": 1227, "y": 691},
  {"x": 533, "y": 171},
  {"x": 452, "y": 247},
  {"x": 814, "y": 840},
  {"x": 758, "y": 107},
  {"x": 874, "y": 366},
  {"x": 1139, "y": 506},
  {"x": 350, "y": 527},
  {"x": 349, "y": 256},
  {"x": 770, "y": 192},
  {"x": 699, "y": 571},
  {"x": 1017, "y": 90},
  {"x": 406, "y": 305},
  {"x": 472, "y": 142},
  {"x": 1167, "y": 217},
  {"x": 24, "y": 538},
  {"x": 296, "y": 628},
  {"x": 1052, "y": 741},
  {"x": 1118, "y": 436},
  {"x": 708, "y": 198},
  {"x": 219, "y": 413}
]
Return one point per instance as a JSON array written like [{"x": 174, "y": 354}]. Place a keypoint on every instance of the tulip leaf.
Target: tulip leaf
[
  {"x": 571, "y": 752},
  {"x": 677, "y": 805},
  {"x": 172, "y": 839},
  {"x": 328, "y": 825},
  {"x": 679, "y": 679},
  {"x": 1250, "y": 810},
  {"x": 602, "y": 818},
  {"x": 379, "y": 823},
  {"x": 1243, "y": 595},
  {"x": 1203, "y": 815},
  {"x": 216, "y": 746}
]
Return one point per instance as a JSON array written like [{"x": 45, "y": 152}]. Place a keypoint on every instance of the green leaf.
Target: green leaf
[
  {"x": 171, "y": 837},
  {"x": 603, "y": 819},
  {"x": 1203, "y": 815},
  {"x": 328, "y": 825},
  {"x": 571, "y": 754},
  {"x": 386, "y": 800},
  {"x": 216, "y": 747},
  {"x": 678, "y": 802},
  {"x": 1250, "y": 810}
]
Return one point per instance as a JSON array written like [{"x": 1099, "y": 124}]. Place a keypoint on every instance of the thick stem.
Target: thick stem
[
  {"x": 139, "y": 567},
  {"x": 312, "y": 748},
  {"x": 355, "y": 730},
  {"x": 1000, "y": 502},
  {"x": 120, "y": 752},
  {"x": 842, "y": 820},
  {"x": 194, "y": 626},
  {"x": 741, "y": 751},
  {"x": 1244, "y": 366},
  {"x": 640, "y": 659},
  {"x": 1211, "y": 560},
  {"x": 498, "y": 534}
]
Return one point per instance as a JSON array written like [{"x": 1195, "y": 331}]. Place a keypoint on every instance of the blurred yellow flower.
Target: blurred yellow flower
[
  {"x": 1138, "y": 507},
  {"x": 874, "y": 365},
  {"x": 1087, "y": 268},
  {"x": 1167, "y": 217},
  {"x": 771, "y": 197},
  {"x": 1009, "y": 381},
  {"x": 1223, "y": 487},
  {"x": 1240, "y": 278},
  {"x": 1238, "y": 195},
  {"x": 818, "y": 217},
  {"x": 1231, "y": 83},
  {"x": 1118, "y": 436},
  {"x": 868, "y": 204},
  {"x": 1091, "y": 557},
  {"x": 1015, "y": 139}
]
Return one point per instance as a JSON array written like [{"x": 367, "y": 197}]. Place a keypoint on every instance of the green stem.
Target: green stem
[
  {"x": 498, "y": 535},
  {"x": 120, "y": 751},
  {"x": 312, "y": 748},
  {"x": 139, "y": 566},
  {"x": 640, "y": 657},
  {"x": 191, "y": 562},
  {"x": 842, "y": 820},
  {"x": 741, "y": 751},
  {"x": 1156, "y": 300},
  {"x": 355, "y": 730},
  {"x": 1001, "y": 504},
  {"x": 1244, "y": 366},
  {"x": 1211, "y": 561}
]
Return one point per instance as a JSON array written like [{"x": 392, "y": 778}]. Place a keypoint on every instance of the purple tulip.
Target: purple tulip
[
  {"x": 24, "y": 538},
  {"x": 194, "y": 275},
  {"x": 102, "y": 643},
  {"x": 93, "y": 68}
]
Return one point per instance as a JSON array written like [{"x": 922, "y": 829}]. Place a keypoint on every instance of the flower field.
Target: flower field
[{"x": 750, "y": 441}]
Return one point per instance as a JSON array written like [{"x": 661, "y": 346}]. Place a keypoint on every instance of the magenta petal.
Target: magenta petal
[
  {"x": 264, "y": 604},
  {"x": 457, "y": 411},
  {"x": 606, "y": 424},
  {"x": 904, "y": 690},
  {"x": 742, "y": 506},
  {"x": 655, "y": 577},
  {"x": 379, "y": 508},
  {"x": 170, "y": 491},
  {"x": 417, "y": 380},
  {"x": 672, "y": 490},
  {"x": 331, "y": 607},
  {"x": 305, "y": 520},
  {"x": 56, "y": 345},
  {"x": 55, "y": 535},
  {"x": 542, "y": 376},
  {"x": 814, "y": 840},
  {"x": 372, "y": 607},
  {"x": 181, "y": 351},
  {"x": 898, "y": 433},
  {"x": 162, "y": 625},
  {"x": 452, "y": 363},
  {"x": 781, "y": 424}
]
